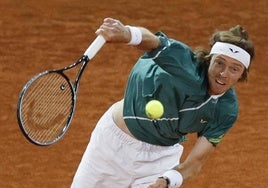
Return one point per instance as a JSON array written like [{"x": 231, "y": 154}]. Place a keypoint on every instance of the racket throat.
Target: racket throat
[{"x": 84, "y": 60}]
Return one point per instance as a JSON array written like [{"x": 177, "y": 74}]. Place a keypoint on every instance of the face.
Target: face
[{"x": 223, "y": 73}]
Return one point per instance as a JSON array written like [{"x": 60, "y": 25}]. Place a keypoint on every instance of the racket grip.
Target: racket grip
[{"x": 95, "y": 46}]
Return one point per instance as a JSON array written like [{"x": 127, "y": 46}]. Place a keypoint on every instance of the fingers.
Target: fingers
[
  {"x": 112, "y": 25},
  {"x": 160, "y": 183},
  {"x": 113, "y": 31},
  {"x": 110, "y": 21}
]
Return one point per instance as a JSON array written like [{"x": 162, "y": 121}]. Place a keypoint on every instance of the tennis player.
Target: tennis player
[{"x": 196, "y": 88}]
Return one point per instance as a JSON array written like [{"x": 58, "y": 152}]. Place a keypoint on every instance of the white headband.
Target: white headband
[{"x": 231, "y": 51}]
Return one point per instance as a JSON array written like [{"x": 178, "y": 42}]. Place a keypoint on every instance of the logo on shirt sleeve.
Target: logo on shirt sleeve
[{"x": 215, "y": 141}]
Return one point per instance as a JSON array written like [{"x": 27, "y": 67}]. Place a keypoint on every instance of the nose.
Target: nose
[{"x": 224, "y": 73}]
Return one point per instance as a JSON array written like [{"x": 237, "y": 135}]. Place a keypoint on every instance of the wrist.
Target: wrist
[
  {"x": 173, "y": 178},
  {"x": 135, "y": 35}
]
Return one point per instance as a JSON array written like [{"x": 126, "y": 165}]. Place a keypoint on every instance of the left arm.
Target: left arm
[{"x": 193, "y": 163}]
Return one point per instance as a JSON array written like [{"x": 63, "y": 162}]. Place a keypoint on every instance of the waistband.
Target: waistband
[{"x": 137, "y": 144}]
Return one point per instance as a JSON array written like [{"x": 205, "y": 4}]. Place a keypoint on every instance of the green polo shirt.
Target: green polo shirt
[{"x": 172, "y": 75}]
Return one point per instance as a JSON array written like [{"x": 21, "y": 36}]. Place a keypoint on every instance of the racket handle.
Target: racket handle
[{"x": 95, "y": 46}]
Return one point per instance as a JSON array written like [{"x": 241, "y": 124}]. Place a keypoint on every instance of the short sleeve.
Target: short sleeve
[
  {"x": 173, "y": 56},
  {"x": 215, "y": 133},
  {"x": 164, "y": 43},
  {"x": 225, "y": 116},
  {"x": 216, "y": 130}
]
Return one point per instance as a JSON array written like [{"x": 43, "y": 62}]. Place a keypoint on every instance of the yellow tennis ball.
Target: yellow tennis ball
[{"x": 154, "y": 109}]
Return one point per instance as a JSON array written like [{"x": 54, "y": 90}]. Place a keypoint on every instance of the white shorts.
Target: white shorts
[{"x": 115, "y": 159}]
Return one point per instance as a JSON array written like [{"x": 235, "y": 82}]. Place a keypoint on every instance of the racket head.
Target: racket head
[{"x": 45, "y": 107}]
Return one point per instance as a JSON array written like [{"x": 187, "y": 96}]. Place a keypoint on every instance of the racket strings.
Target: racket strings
[
  {"x": 47, "y": 107},
  {"x": 46, "y": 101}
]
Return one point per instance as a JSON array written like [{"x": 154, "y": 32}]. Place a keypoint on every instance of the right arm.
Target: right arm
[{"x": 115, "y": 32}]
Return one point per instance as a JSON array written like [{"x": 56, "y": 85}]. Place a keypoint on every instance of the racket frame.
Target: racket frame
[
  {"x": 91, "y": 51},
  {"x": 19, "y": 109},
  {"x": 74, "y": 88}
]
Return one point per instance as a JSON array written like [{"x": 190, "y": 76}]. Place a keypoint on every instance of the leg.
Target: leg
[
  {"x": 102, "y": 164},
  {"x": 152, "y": 163}
]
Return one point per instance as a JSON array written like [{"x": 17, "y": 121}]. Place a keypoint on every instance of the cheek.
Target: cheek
[
  {"x": 212, "y": 72},
  {"x": 238, "y": 76},
  {"x": 233, "y": 79}
]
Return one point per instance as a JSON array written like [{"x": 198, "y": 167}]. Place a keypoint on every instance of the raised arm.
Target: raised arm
[{"x": 116, "y": 32}]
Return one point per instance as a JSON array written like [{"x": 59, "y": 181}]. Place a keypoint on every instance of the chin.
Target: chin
[{"x": 216, "y": 91}]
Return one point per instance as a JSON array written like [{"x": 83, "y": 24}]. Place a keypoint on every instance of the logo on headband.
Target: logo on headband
[{"x": 234, "y": 51}]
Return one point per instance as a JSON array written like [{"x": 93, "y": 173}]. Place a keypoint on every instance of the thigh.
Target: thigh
[
  {"x": 103, "y": 163},
  {"x": 150, "y": 166},
  {"x": 144, "y": 182}
]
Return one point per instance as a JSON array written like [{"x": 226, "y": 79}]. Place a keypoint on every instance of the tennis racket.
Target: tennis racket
[{"x": 47, "y": 102}]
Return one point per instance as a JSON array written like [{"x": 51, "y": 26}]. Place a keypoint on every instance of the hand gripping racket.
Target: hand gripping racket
[{"x": 47, "y": 101}]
